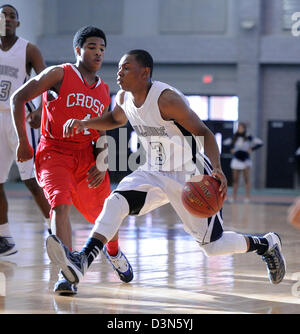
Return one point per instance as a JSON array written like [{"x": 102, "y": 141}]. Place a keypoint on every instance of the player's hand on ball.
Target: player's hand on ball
[
  {"x": 95, "y": 177},
  {"x": 72, "y": 127},
  {"x": 218, "y": 174}
]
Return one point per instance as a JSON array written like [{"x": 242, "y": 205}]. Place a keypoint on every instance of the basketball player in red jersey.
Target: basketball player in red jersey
[{"x": 66, "y": 168}]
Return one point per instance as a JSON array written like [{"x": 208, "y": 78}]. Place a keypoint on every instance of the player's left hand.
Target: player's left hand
[
  {"x": 95, "y": 177},
  {"x": 218, "y": 174},
  {"x": 34, "y": 118}
]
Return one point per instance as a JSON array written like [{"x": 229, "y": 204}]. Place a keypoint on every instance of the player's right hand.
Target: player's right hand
[
  {"x": 72, "y": 127},
  {"x": 218, "y": 174},
  {"x": 24, "y": 152}
]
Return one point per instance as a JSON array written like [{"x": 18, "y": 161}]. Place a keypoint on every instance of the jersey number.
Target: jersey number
[
  {"x": 159, "y": 151},
  {"x": 4, "y": 90}
]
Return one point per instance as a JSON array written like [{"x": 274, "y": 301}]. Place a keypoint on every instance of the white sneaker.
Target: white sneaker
[
  {"x": 121, "y": 265},
  {"x": 73, "y": 265},
  {"x": 274, "y": 259}
]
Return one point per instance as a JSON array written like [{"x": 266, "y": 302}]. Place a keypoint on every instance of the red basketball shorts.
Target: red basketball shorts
[{"x": 62, "y": 173}]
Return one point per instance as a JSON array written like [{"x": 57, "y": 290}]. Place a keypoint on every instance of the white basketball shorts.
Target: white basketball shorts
[
  {"x": 166, "y": 187},
  {"x": 8, "y": 146}
]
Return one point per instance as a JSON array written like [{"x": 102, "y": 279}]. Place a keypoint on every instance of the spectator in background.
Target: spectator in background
[{"x": 242, "y": 144}]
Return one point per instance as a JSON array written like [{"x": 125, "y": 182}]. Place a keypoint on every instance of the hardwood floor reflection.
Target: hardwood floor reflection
[{"x": 172, "y": 275}]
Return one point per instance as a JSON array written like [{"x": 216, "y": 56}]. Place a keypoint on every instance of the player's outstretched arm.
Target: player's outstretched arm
[
  {"x": 108, "y": 121},
  {"x": 48, "y": 79},
  {"x": 173, "y": 107}
]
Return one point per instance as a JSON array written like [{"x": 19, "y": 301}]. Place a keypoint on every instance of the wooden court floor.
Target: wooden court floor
[{"x": 172, "y": 275}]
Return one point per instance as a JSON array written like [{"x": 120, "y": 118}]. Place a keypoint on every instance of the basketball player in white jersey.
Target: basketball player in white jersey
[
  {"x": 17, "y": 58},
  {"x": 161, "y": 116}
]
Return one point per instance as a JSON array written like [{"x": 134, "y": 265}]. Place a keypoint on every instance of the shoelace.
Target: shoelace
[
  {"x": 78, "y": 259},
  {"x": 123, "y": 266}
]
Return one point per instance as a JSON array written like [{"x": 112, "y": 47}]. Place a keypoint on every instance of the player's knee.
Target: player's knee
[
  {"x": 211, "y": 249},
  {"x": 117, "y": 204},
  {"x": 115, "y": 209},
  {"x": 135, "y": 199},
  {"x": 61, "y": 211},
  {"x": 229, "y": 243}
]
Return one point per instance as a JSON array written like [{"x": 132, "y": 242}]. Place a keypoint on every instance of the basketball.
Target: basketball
[{"x": 201, "y": 197}]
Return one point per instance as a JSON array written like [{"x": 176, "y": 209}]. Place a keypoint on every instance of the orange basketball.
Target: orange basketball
[{"x": 201, "y": 196}]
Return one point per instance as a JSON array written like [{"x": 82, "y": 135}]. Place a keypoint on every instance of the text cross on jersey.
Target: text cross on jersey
[{"x": 85, "y": 101}]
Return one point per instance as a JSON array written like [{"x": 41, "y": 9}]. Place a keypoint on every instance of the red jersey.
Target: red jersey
[{"x": 76, "y": 99}]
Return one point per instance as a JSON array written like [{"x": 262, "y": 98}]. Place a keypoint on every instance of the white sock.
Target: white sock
[{"x": 5, "y": 230}]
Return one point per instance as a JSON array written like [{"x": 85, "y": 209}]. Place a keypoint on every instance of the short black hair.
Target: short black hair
[
  {"x": 143, "y": 57},
  {"x": 85, "y": 32},
  {"x": 7, "y": 5}
]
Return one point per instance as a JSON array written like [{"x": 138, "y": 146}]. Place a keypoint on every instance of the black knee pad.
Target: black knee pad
[{"x": 135, "y": 199}]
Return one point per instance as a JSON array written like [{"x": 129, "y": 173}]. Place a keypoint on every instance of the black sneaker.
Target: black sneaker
[
  {"x": 73, "y": 265},
  {"x": 274, "y": 259},
  {"x": 64, "y": 287},
  {"x": 7, "y": 246}
]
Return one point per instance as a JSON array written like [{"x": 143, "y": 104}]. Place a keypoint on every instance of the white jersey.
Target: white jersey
[
  {"x": 173, "y": 157},
  {"x": 12, "y": 76},
  {"x": 168, "y": 146},
  {"x": 12, "y": 71}
]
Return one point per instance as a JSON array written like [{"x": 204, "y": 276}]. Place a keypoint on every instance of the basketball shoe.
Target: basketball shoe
[
  {"x": 64, "y": 287},
  {"x": 73, "y": 265},
  {"x": 7, "y": 246},
  {"x": 120, "y": 264},
  {"x": 274, "y": 259}
]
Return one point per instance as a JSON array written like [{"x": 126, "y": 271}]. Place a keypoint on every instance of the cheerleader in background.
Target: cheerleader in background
[{"x": 242, "y": 144}]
